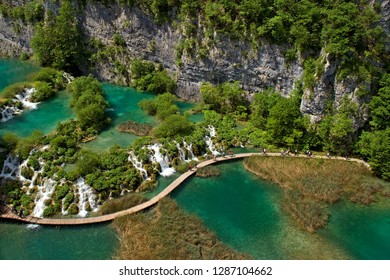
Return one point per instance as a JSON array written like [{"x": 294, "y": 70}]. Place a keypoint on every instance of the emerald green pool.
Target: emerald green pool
[
  {"x": 245, "y": 212},
  {"x": 93, "y": 242},
  {"x": 13, "y": 70}
]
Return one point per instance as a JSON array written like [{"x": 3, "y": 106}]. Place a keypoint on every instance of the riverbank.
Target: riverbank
[
  {"x": 312, "y": 186},
  {"x": 166, "y": 232}
]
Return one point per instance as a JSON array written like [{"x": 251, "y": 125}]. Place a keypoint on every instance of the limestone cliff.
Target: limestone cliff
[{"x": 227, "y": 59}]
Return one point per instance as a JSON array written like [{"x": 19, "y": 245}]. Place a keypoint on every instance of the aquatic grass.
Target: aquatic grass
[
  {"x": 312, "y": 185},
  {"x": 122, "y": 203},
  {"x": 166, "y": 232}
]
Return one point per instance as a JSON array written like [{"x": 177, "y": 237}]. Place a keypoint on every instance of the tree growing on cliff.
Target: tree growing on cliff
[{"x": 56, "y": 42}]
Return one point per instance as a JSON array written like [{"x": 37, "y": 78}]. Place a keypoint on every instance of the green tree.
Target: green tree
[
  {"x": 56, "y": 43},
  {"x": 375, "y": 147},
  {"x": 172, "y": 126},
  {"x": 380, "y": 105}
]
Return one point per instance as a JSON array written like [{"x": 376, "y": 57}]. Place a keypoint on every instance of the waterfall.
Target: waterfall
[
  {"x": 158, "y": 157},
  {"x": 24, "y": 98},
  {"x": 182, "y": 153},
  {"x": 7, "y": 112},
  {"x": 44, "y": 192},
  {"x": 68, "y": 77},
  {"x": 86, "y": 196},
  {"x": 209, "y": 141},
  {"x": 138, "y": 165},
  {"x": 10, "y": 167},
  {"x": 189, "y": 149}
]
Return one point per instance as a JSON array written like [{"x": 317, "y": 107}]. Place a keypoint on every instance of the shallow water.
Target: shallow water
[
  {"x": 93, "y": 242},
  {"x": 13, "y": 70},
  {"x": 245, "y": 212},
  {"x": 44, "y": 118}
]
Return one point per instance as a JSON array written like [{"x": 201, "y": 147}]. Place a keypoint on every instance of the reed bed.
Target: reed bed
[
  {"x": 311, "y": 186},
  {"x": 166, "y": 232}
]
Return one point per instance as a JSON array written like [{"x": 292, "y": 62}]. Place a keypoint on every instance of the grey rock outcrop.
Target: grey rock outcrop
[{"x": 228, "y": 60}]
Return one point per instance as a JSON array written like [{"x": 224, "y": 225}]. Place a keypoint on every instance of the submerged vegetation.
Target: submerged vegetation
[
  {"x": 311, "y": 186},
  {"x": 167, "y": 233}
]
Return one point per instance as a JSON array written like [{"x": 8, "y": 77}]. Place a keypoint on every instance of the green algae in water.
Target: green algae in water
[
  {"x": 13, "y": 70},
  {"x": 92, "y": 242}
]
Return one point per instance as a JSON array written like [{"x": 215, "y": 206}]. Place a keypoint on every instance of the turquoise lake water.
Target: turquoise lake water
[
  {"x": 13, "y": 71},
  {"x": 93, "y": 242},
  {"x": 243, "y": 210}
]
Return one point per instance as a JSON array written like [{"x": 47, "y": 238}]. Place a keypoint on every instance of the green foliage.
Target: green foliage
[
  {"x": 260, "y": 107},
  {"x": 88, "y": 102},
  {"x": 174, "y": 125},
  {"x": 25, "y": 145},
  {"x": 27, "y": 173},
  {"x": 73, "y": 209},
  {"x": 146, "y": 77},
  {"x": 14, "y": 89},
  {"x": 42, "y": 92},
  {"x": 380, "y": 105},
  {"x": 336, "y": 130},
  {"x": 162, "y": 106},
  {"x": 56, "y": 42},
  {"x": 48, "y": 211},
  {"x": 51, "y": 76},
  {"x": 226, "y": 98},
  {"x": 375, "y": 147},
  {"x": 10, "y": 141},
  {"x": 88, "y": 162}
]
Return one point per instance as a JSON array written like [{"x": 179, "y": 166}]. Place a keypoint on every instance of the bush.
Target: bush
[
  {"x": 51, "y": 76},
  {"x": 73, "y": 209},
  {"x": 48, "y": 211},
  {"x": 42, "y": 92},
  {"x": 174, "y": 125},
  {"x": 27, "y": 173}
]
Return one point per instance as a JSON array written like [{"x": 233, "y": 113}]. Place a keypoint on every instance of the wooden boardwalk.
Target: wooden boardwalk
[{"x": 8, "y": 214}]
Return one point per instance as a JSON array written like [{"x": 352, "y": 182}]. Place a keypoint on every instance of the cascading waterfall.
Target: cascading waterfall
[
  {"x": 209, "y": 141},
  {"x": 138, "y": 165},
  {"x": 86, "y": 196},
  {"x": 182, "y": 153},
  {"x": 163, "y": 160},
  {"x": 45, "y": 192},
  {"x": 10, "y": 167},
  {"x": 7, "y": 112},
  {"x": 188, "y": 147}
]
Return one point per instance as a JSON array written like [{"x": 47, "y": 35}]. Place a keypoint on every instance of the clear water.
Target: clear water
[
  {"x": 93, "y": 242},
  {"x": 244, "y": 211},
  {"x": 13, "y": 70},
  {"x": 44, "y": 118}
]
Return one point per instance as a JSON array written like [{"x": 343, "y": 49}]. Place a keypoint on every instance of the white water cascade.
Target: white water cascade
[
  {"x": 10, "y": 167},
  {"x": 182, "y": 153},
  {"x": 7, "y": 112},
  {"x": 138, "y": 165},
  {"x": 44, "y": 193},
  {"x": 163, "y": 160},
  {"x": 209, "y": 141},
  {"x": 86, "y": 196}
]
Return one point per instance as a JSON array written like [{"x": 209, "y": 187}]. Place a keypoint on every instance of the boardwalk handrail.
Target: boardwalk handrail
[{"x": 170, "y": 188}]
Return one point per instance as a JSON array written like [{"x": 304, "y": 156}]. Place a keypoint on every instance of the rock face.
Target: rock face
[{"x": 227, "y": 60}]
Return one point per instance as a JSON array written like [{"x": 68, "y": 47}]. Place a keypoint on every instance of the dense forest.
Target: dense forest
[{"x": 347, "y": 31}]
